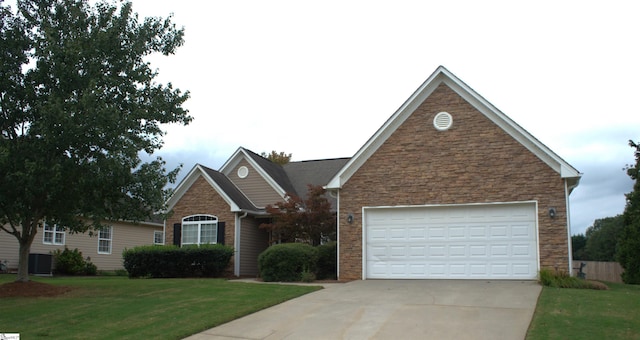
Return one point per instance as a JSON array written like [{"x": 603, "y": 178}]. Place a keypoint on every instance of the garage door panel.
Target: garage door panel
[
  {"x": 436, "y": 233},
  {"x": 493, "y": 241}
]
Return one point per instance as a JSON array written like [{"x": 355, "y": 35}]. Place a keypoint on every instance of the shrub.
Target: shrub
[
  {"x": 554, "y": 278},
  {"x": 327, "y": 261},
  {"x": 173, "y": 261},
  {"x": 286, "y": 262},
  {"x": 71, "y": 262}
]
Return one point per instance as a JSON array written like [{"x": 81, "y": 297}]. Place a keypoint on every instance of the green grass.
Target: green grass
[
  {"x": 121, "y": 308},
  {"x": 564, "y": 313}
]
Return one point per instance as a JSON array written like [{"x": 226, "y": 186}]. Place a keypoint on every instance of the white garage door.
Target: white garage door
[{"x": 494, "y": 241}]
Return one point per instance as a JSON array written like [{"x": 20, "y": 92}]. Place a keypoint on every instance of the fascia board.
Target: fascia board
[
  {"x": 188, "y": 181},
  {"x": 232, "y": 161},
  {"x": 183, "y": 186},
  {"x": 512, "y": 128},
  {"x": 216, "y": 187},
  {"x": 442, "y": 75},
  {"x": 383, "y": 133}
]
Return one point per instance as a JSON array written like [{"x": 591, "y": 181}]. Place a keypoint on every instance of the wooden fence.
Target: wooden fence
[{"x": 600, "y": 271}]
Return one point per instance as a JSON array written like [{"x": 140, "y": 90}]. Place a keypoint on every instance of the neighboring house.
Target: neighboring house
[
  {"x": 448, "y": 187},
  {"x": 104, "y": 248}
]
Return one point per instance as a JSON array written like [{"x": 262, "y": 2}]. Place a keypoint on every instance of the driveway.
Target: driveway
[{"x": 394, "y": 309}]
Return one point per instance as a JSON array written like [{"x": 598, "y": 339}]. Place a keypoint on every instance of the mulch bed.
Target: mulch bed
[{"x": 31, "y": 289}]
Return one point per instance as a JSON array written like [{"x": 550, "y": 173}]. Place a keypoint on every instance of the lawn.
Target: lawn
[
  {"x": 565, "y": 313},
  {"x": 122, "y": 308}
]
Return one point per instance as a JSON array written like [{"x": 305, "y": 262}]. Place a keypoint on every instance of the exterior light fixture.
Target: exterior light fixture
[
  {"x": 350, "y": 218},
  {"x": 552, "y": 212}
]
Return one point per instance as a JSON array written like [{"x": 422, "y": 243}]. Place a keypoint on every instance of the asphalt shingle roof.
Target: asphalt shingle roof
[
  {"x": 274, "y": 170},
  {"x": 230, "y": 189},
  {"x": 316, "y": 172}
]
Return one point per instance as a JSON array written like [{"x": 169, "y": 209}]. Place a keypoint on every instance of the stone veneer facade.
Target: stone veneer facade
[
  {"x": 201, "y": 198},
  {"x": 475, "y": 161}
]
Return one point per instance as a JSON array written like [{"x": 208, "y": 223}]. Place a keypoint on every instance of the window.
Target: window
[
  {"x": 199, "y": 229},
  {"x": 104, "y": 240},
  {"x": 158, "y": 237},
  {"x": 53, "y": 234}
]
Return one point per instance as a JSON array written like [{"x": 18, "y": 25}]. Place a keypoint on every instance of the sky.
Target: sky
[{"x": 318, "y": 78}]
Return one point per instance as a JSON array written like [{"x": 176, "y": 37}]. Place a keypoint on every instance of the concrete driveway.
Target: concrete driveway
[{"x": 394, "y": 309}]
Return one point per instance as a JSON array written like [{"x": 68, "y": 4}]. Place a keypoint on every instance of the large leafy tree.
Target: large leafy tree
[
  {"x": 78, "y": 107},
  {"x": 578, "y": 244},
  {"x": 307, "y": 220},
  {"x": 602, "y": 239},
  {"x": 629, "y": 246}
]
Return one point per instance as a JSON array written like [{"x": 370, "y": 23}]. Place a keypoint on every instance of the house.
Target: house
[
  {"x": 448, "y": 187},
  {"x": 104, "y": 248}
]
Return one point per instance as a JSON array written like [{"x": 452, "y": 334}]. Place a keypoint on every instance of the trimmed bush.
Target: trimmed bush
[
  {"x": 327, "y": 261},
  {"x": 172, "y": 261},
  {"x": 71, "y": 262},
  {"x": 287, "y": 262}
]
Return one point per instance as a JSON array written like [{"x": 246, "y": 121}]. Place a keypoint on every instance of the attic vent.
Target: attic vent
[
  {"x": 442, "y": 121},
  {"x": 243, "y": 171}
]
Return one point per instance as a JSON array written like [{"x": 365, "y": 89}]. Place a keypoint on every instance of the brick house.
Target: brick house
[
  {"x": 448, "y": 187},
  {"x": 228, "y": 205}
]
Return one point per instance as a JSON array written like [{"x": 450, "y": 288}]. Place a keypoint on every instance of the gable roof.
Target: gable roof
[
  {"x": 290, "y": 178},
  {"x": 220, "y": 183},
  {"x": 443, "y": 76},
  {"x": 271, "y": 172}
]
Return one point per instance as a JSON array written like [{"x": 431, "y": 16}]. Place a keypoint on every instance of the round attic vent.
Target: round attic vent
[
  {"x": 243, "y": 171},
  {"x": 442, "y": 121}
]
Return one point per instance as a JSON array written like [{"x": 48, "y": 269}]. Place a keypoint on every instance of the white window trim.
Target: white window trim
[
  {"x": 156, "y": 232},
  {"x": 55, "y": 231},
  {"x": 211, "y": 220},
  {"x": 110, "y": 239}
]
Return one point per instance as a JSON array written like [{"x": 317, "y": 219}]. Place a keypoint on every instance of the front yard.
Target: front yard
[
  {"x": 565, "y": 313},
  {"x": 121, "y": 308}
]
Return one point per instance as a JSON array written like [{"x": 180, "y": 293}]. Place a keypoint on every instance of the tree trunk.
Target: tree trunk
[
  {"x": 23, "y": 261},
  {"x": 29, "y": 231}
]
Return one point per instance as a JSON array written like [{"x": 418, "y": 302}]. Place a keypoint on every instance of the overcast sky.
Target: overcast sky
[{"x": 318, "y": 78}]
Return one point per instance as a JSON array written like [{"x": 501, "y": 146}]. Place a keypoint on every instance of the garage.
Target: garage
[{"x": 477, "y": 241}]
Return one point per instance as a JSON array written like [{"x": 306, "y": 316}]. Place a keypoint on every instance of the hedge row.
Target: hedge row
[
  {"x": 173, "y": 261},
  {"x": 290, "y": 262}
]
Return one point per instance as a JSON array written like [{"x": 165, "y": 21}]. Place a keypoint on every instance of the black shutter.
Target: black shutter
[
  {"x": 220, "y": 233},
  {"x": 177, "y": 234}
]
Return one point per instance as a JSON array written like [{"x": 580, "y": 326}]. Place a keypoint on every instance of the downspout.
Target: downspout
[
  {"x": 338, "y": 234},
  {"x": 236, "y": 243},
  {"x": 569, "y": 247},
  {"x": 164, "y": 231}
]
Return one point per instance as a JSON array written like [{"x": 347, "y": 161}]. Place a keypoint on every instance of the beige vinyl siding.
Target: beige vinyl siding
[
  {"x": 9, "y": 249},
  {"x": 253, "y": 241},
  {"x": 123, "y": 235},
  {"x": 254, "y": 186}
]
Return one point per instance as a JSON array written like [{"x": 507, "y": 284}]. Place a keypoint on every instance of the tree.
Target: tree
[
  {"x": 310, "y": 221},
  {"x": 602, "y": 238},
  {"x": 79, "y": 105},
  {"x": 578, "y": 244},
  {"x": 629, "y": 246},
  {"x": 277, "y": 157}
]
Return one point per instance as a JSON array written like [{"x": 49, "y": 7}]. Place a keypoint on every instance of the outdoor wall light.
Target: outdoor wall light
[
  {"x": 350, "y": 218},
  {"x": 552, "y": 212}
]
